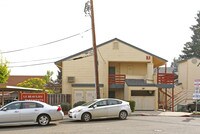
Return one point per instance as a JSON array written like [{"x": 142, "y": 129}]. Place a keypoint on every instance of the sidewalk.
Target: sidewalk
[{"x": 161, "y": 113}]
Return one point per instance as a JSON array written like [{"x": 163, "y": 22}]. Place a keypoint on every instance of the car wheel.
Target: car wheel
[
  {"x": 43, "y": 120},
  {"x": 86, "y": 117},
  {"x": 123, "y": 115}
]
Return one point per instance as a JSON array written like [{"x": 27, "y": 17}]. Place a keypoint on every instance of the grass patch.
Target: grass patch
[{"x": 196, "y": 113}]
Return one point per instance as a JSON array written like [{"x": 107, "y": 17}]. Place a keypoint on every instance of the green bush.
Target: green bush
[
  {"x": 78, "y": 103},
  {"x": 132, "y": 105},
  {"x": 65, "y": 106}
]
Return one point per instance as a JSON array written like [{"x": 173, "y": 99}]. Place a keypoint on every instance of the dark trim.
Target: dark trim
[
  {"x": 165, "y": 85},
  {"x": 105, "y": 44},
  {"x": 86, "y": 85},
  {"x": 138, "y": 82},
  {"x": 145, "y": 85},
  {"x": 116, "y": 86}
]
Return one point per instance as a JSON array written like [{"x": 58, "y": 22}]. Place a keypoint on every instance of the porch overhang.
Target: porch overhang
[{"x": 158, "y": 61}]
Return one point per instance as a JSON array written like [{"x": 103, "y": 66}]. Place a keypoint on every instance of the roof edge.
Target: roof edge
[{"x": 107, "y": 43}]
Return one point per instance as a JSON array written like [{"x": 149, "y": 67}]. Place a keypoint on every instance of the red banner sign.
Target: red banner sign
[{"x": 34, "y": 96}]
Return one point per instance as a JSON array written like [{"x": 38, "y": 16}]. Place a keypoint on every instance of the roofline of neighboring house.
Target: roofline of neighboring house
[
  {"x": 107, "y": 43},
  {"x": 27, "y": 75},
  {"x": 16, "y": 88},
  {"x": 188, "y": 59}
]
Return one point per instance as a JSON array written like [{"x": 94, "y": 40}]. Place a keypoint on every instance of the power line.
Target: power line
[
  {"x": 30, "y": 65},
  {"x": 101, "y": 56},
  {"x": 36, "y": 60},
  {"x": 16, "y": 50},
  {"x": 37, "y": 64}
]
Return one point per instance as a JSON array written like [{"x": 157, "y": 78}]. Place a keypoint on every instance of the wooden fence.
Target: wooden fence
[{"x": 55, "y": 99}]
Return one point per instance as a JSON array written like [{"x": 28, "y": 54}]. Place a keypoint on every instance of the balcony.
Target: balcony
[
  {"x": 116, "y": 79},
  {"x": 165, "y": 80}
]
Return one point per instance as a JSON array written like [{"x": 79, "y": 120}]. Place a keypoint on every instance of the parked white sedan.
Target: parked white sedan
[
  {"x": 24, "y": 112},
  {"x": 101, "y": 108}
]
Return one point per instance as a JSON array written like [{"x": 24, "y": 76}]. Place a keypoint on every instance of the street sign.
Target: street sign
[{"x": 196, "y": 94}]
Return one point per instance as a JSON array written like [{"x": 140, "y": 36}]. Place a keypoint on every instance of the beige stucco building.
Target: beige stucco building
[
  {"x": 125, "y": 72},
  {"x": 188, "y": 72}
]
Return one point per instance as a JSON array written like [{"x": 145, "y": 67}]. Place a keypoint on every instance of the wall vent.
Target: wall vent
[
  {"x": 70, "y": 79},
  {"x": 194, "y": 61},
  {"x": 115, "y": 45}
]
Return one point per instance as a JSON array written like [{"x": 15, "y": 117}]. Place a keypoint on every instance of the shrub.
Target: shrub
[
  {"x": 65, "y": 106},
  {"x": 132, "y": 105},
  {"x": 78, "y": 103}
]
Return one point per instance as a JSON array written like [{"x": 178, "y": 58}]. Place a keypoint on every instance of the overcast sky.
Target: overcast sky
[{"x": 161, "y": 27}]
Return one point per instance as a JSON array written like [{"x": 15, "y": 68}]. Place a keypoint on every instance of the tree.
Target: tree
[
  {"x": 53, "y": 85},
  {"x": 48, "y": 76},
  {"x": 37, "y": 83},
  {"x": 46, "y": 83},
  {"x": 59, "y": 78},
  {"x": 192, "y": 49},
  {"x": 4, "y": 71},
  {"x": 174, "y": 64}
]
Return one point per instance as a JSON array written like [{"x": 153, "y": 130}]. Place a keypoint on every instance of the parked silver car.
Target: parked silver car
[
  {"x": 101, "y": 108},
  {"x": 22, "y": 112}
]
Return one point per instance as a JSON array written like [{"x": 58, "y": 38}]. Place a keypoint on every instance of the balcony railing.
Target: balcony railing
[
  {"x": 165, "y": 78},
  {"x": 116, "y": 78}
]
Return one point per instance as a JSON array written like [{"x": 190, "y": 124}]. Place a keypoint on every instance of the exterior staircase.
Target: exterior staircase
[{"x": 180, "y": 97}]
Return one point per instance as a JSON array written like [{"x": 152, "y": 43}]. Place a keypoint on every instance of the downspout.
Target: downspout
[{"x": 165, "y": 88}]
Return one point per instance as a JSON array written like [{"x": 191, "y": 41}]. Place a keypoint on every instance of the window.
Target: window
[
  {"x": 114, "y": 102},
  {"x": 39, "y": 105},
  {"x": 101, "y": 103},
  {"x": 27, "y": 105},
  {"x": 14, "y": 106},
  {"x": 142, "y": 93}
]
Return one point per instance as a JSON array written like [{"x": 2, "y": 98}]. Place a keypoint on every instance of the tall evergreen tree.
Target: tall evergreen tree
[{"x": 192, "y": 49}]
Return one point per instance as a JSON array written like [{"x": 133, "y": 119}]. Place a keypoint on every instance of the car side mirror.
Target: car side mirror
[
  {"x": 5, "y": 109},
  {"x": 94, "y": 106}
]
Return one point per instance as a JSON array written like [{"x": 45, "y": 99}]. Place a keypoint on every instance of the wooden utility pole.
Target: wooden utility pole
[{"x": 91, "y": 8}]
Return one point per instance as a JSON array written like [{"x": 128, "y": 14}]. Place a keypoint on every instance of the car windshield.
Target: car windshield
[{"x": 88, "y": 103}]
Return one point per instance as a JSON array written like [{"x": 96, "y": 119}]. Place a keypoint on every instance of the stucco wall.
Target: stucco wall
[
  {"x": 83, "y": 68},
  {"x": 183, "y": 74},
  {"x": 132, "y": 69},
  {"x": 188, "y": 71},
  {"x": 133, "y": 62},
  {"x": 122, "y": 53},
  {"x": 146, "y": 102}
]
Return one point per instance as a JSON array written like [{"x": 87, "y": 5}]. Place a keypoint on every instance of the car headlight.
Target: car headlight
[
  {"x": 76, "y": 111},
  {"x": 79, "y": 110}
]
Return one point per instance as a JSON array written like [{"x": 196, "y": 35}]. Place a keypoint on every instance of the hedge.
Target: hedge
[{"x": 132, "y": 105}]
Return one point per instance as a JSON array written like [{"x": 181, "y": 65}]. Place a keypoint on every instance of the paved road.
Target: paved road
[{"x": 134, "y": 124}]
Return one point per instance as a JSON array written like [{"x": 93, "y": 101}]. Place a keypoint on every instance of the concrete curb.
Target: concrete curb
[
  {"x": 169, "y": 114},
  {"x": 175, "y": 114}
]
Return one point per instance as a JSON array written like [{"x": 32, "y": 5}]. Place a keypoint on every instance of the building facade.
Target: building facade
[
  {"x": 188, "y": 72},
  {"x": 125, "y": 72}
]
